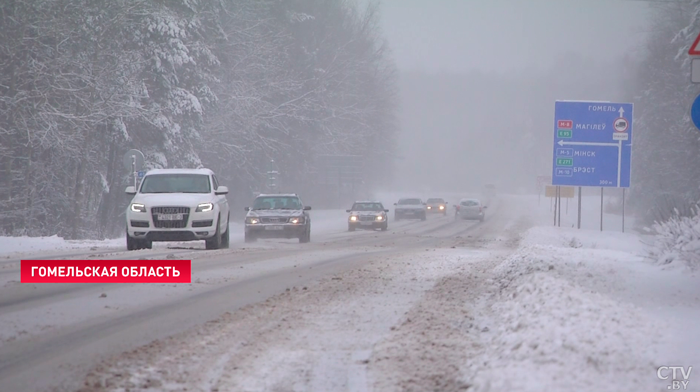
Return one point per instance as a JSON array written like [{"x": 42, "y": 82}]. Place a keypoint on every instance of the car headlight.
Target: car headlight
[
  {"x": 296, "y": 220},
  {"x": 353, "y": 218},
  {"x": 252, "y": 221},
  {"x": 204, "y": 207},
  {"x": 430, "y": 208},
  {"x": 442, "y": 207},
  {"x": 138, "y": 207},
  {"x": 379, "y": 218}
]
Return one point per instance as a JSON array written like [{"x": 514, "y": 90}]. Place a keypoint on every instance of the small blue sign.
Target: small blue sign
[
  {"x": 695, "y": 112},
  {"x": 593, "y": 143},
  {"x": 141, "y": 174}
]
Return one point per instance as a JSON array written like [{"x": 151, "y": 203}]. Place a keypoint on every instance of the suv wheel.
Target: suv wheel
[
  {"x": 131, "y": 243},
  {"x": 225, "y": 238},
  {"x": 306, "y": 237},
  {"x": 385, "y": 227},
  {"x": 215, "y": 241},
  {"x": 134, "y": 244}
]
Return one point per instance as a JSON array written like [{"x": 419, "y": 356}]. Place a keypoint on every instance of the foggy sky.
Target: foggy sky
[
  {"x": 507, "y": 35},
  {"x": 479, "y": 79}
]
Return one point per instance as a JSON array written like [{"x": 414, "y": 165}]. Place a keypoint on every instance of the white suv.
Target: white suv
[{"x": 178, "y": 205}]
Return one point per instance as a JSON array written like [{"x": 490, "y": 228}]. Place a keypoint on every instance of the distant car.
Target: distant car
[
  {"x": 489, "y": 192},
  {"x": 278, "y": 216},
  {"x": 368, "y": 215},
  {"x": 177, "y": 205},
  {"x": 410, "y": 208},
  {"x": 437, "y": 205},
  {"x": 472, "y": 209}
]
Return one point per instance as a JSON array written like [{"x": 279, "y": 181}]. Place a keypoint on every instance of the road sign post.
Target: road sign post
[
  {"x": 133, "y": 160},
  {"x": 592, "y": 145},
  {"x": 579, "y": 207}
]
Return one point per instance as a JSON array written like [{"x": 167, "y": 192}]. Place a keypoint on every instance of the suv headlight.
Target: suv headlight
[
  {"x": 295, "y": 220},
  {"x": 442, "y": 207},
  {"x": 379, "y": 218},
  {"x": 353, "y": 218},
  {"x": 204, "y": 207},
  {"x": 252, "y": 221},
  {"x": 138, "y": 207}
]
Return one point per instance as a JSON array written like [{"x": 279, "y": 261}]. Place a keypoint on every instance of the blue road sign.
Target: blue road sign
[
  {"x": 695, "y": 112},
  {"x": 592, "y": 144},
  {"x": 141, "y": 174}
]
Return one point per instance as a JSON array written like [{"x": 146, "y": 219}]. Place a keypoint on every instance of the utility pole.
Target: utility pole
[{"x": 272, "y": 177}]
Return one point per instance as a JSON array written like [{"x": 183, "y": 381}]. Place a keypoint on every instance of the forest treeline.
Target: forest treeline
[{"x": 225, "y": 84}]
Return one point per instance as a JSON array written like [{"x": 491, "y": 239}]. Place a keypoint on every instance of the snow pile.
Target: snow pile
[
  {"x": 11, "y": 245},
  {"x": 549, "y": 329},
  {"x": 677, "y": 240}
]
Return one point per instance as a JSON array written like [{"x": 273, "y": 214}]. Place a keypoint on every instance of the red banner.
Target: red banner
[{"x": 106, "y": 271}]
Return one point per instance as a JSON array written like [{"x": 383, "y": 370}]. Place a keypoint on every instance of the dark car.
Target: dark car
[
  {"x": 436, "y": 205},
  {"x": 367, "y": 215},
  {"x": 410, "y": 208},
  {"x": 278, "y": 216}
]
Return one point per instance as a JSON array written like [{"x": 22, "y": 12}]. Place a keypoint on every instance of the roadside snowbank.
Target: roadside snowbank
[
  {"x": 10, "y": 245},
  {"x": 559, "y": 322}
]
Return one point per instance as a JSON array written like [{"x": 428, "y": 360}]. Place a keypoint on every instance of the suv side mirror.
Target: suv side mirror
[
  {"x": 307, "y": 208},
  {"x": 348, "y": 210},
  {"x": 130, "y": 190},
  {"x": 247, "y": 209},
  {"x": 386, "y": 210},
  {"x": 221, "y": 190}
]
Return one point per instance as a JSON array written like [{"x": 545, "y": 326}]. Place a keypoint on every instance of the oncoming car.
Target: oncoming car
[
  {"x": 178, "y": 205},
  {"x": 436, "y": 205},
  {"x": 278, "y": 216},
  {"x": 367, "y": 215},
  {"x": 471, "y": 209},
  {"x": 410, "y": 208}
]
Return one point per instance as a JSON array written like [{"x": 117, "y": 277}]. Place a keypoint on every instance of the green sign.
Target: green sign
[
  {"x": 564, "y": 133},
  {"x": 565, "y": 162}
]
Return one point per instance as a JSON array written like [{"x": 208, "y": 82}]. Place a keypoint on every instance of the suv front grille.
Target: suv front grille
[
  {"x": 170, "y": 224},
  {"x": 367, "y": 218}
]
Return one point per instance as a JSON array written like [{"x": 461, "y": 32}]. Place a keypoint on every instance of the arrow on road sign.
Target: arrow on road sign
[
  {"x": 563, "y": 143},
  {"x": 621, "y": 111}
]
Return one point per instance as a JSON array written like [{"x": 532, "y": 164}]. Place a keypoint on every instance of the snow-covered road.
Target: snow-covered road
[{"x": 510, "y": 304}]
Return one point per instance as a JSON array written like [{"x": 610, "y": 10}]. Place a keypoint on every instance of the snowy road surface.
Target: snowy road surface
[{"x": 510, "y": 304}]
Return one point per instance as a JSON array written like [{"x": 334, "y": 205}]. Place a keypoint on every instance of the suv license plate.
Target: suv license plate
[
  {"x": 170, "y": 217},
  {"x": 274, "y": 227},
  {"x": 365, "y": 223}
]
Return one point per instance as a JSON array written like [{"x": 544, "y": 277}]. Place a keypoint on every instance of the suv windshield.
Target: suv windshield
[
  {"x": 176, "y": 183},
  {"x": 277, "y": 203},
  {"x": 367, "y": 207},
  {"x": 435, "y": 201},
  {"x": 409, "y": 201}
]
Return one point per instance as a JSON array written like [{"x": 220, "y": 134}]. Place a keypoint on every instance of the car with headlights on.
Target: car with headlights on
[
  {"x": 410, "y": 208},
  {"x": 369, "y": 215},
  {"x": 278, "y": 216},
  {"x": 472, "y": 209},
  {"x": 177, "y": 205},
  {"x": 436, "y": 205}
]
